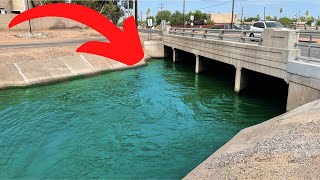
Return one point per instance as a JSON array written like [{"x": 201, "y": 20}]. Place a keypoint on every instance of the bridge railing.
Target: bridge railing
[
  {"x": 220, "y": 34},
  {"x": 311, "y": 41}
]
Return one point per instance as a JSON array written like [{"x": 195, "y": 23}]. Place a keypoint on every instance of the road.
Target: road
[
  {"x": 315, "y": 52},
  {"x": 50, "y": 44}
]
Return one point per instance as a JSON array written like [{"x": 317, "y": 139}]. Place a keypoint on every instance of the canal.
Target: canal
[{"x": 158, "y": 122}]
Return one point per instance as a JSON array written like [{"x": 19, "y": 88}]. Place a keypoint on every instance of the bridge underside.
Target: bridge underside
[
  {"x": 276, "y": 57},
  {"x": 253, "y": 64},
  {"x": 243, "y": 79}
]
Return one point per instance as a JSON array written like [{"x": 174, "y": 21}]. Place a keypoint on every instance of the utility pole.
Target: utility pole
[
  {"x": 232, "y": 18},
  {"x": 161, "y": 14},
  {"x": 298, "y": 20},
  {"x": 136, "y": 11},
  {"x": 241, "y": 16},
  {"x": 30, "y": 30},
  {"x": 184, "y": 15},
  {"x": 128, "y": 8},
  {"x": 264, "y": 14},
  {"x": 161, "y": 9},
  {"x": 141, "y": 17}
]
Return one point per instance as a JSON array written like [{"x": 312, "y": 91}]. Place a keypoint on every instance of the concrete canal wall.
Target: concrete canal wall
[
  {"x": 21, "y": 73},
  {"x": 27, "y": 73}
]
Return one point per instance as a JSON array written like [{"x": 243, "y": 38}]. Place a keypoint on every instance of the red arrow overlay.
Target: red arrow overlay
[{"x": 124, "y": 46}]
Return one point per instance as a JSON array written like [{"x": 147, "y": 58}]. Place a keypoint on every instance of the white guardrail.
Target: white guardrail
[
  {"x": 242, "y": 35},
  {"x": 309, "y": 41}
]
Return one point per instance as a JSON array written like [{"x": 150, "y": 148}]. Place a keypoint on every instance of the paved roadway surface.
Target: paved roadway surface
[{"x": 315, "y": 52}]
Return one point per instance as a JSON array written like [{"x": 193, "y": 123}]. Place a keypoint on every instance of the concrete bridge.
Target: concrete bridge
[{"x": 275, "y": 55}]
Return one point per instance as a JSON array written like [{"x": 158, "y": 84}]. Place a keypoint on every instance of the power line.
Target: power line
[
  {"x": 211, "y": 6},
  {"x": 141, "y": 16},
  {"x": 161, "y": 10},
  {"x": 232, "y": 18},
  {"x": 184, "y": 13},
  {"x": 161, "y": 14}
]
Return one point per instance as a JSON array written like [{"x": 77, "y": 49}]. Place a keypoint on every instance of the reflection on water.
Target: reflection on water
[{"x": 159, "y": 121}]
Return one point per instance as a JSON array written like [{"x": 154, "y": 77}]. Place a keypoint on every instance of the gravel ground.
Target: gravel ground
[
  {"x": 19, "y": 36},
  {"x": 286, "y": 147},
  {"x": 35, "y": 54},
  {"x": 12, "y": 55}
]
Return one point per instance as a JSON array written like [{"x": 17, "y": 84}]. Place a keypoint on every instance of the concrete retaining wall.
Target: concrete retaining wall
[
  {"x": 27, "y": 73},
  {"x": 40, "y": 23},
  {"x": 154, "y": 49},
  {"x": 304, "y": 83}
]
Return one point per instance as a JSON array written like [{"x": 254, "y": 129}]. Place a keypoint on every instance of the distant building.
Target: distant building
[
  {"x": 223, "y": 18},
  {"x": 16, "y": 6}
]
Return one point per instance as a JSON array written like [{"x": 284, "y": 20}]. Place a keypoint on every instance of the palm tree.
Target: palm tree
[
  {"x": 281, "y": 11},
  {"x": 148, "y": 12},
  {"x": 307, "y": 14}
]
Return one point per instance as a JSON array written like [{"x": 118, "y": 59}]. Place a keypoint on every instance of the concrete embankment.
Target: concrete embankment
[
  {"x": 25, "y": 73},
  {"x": 24, "y": 67},
  {"x": 285, "y": 147}
]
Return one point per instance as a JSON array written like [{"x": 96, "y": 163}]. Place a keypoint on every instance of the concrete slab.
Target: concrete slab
[
  {"x": 76, "y": 65},
  {"x": 42, "y": 71},
  {"x": 9, "y": 75}
]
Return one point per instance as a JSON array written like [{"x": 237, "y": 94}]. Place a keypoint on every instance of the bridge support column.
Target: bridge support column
[
  {"x": 199, "y": 65},
  {"x": 175, "y": 55},
  {"x": 240, "y": 80}
]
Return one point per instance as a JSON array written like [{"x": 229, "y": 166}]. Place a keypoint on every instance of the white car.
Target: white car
[{"x": 261, "y": 25}]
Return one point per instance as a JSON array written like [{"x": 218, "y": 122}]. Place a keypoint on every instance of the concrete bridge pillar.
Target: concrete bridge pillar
[
  {"x": 240, "y": 80},
  {"x": 175, "y": 55},
  {"x": 199, "y": 65}
]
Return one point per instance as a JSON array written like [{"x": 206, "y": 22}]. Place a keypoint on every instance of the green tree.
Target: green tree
[
  {"x": 126, "y": 4},
  {"x": 307, "y": 14},
  {"x": 199, "y": 17},
  {"x": 109, "y": 8},
  {"x": 269, "y": 18},
  {"x": 112, "y": 12},
  {"x": 303, "y": 19},
  {"x": 148, "y": 12},
  {"x": 176, "y": 18},
  {"x": 285, "y": 21},
  {"x": 310, "y": 20},
  {"x": 318, "y": 22},
  {"x": 164, "y": 15},
  {"x": 251, "y": 19}
]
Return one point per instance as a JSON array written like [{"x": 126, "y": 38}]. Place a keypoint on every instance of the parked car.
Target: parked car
[{"x": 261, "y": 25}]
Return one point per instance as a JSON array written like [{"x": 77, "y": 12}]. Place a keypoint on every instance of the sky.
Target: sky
[{"x": 251, "y": 7}]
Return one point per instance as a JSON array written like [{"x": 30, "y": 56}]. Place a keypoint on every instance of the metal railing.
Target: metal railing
[
  {"x": 220, "y": 34},
  {"x": 309, "y": 40}
]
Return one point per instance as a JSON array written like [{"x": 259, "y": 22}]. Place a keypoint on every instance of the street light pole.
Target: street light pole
[
  {"x": 184, "y": 16},
  {"x": 232, "y": 18},
  {"x": 136, "y": 11},
  {"x": 30, "y": 30},
  {"x": 264, "y": 14},
  {"x": 241, "y": 16}
]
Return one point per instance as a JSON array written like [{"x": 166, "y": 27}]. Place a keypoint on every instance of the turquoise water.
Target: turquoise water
[{"x": 158, "y": 121}]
